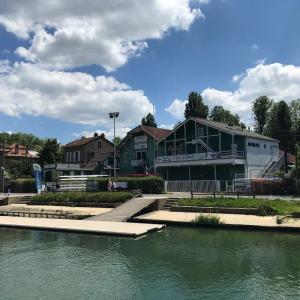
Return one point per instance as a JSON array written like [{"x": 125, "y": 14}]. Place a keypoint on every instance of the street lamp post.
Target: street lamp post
[
  {"x": 3, "y": 167},
  {"x": 114, "y": 115}
]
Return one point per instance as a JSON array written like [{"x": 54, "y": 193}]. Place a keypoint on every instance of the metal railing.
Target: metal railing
[
  {"x": 201, "y": 156},
  {"x": 201, "y": 186}
]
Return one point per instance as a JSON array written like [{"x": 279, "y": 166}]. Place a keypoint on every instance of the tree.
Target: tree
[
  {"x": 20, "y": 168},
  {"x": 279, "y": 125},
  {"x": 51, "y": 152},
  {"x": 261, "y": 108},
  {"x": 117, "y": 140},
  {"x": 295, "y": 117},
  {"x": 29, "y": 140},
  {"x": 195, "y": 107},
  {"x": 220, "y": 114},
  {"x": 149, "y": 120}
]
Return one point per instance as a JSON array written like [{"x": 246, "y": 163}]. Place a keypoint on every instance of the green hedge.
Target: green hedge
[
  {"x": 265, "y": 206},
  {"x": 148, "y": 184},
  {"x": 75, "y": 197},
  {"x": 26, "y": 185}
]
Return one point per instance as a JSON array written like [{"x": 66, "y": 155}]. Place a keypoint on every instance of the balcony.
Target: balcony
[{"x": 202, "y": 156}]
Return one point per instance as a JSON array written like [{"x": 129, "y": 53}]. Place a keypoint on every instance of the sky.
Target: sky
[{"x": 64, "y": 65}]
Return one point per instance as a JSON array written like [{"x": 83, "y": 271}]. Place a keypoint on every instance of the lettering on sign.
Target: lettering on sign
[{"x": 140, "y": 142}]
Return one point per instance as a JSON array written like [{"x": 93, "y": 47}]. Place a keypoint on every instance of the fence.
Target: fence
[
  {"x": 201, "y": 186},
  {"x": 258, "y": 186}
]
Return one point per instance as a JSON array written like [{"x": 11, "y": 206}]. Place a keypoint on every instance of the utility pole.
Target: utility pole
[
  {"x": 154, "y": 156},
  {"x": 114, "y": 115}
]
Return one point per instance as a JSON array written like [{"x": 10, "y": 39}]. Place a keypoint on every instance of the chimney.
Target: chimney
[
  {"x": 95, "y": 134},
  {"x": 102, "y": 135},
  {"x": 17, "y": 149}
]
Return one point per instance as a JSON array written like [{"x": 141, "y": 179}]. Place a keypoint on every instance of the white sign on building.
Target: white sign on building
[{"x": 140, "y": 142}]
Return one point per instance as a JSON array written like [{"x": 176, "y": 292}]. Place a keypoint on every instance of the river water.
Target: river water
[{"x": 178, "y": 263}]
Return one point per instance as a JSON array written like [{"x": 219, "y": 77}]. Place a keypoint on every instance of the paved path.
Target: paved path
[
  {"x": 124, "y": 211},
  {"x": 162, "y": 216},
  {"x": 113, "y": 228}
]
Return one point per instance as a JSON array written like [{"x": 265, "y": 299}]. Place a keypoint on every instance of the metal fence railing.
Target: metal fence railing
[{"x": 200, "y": 186}]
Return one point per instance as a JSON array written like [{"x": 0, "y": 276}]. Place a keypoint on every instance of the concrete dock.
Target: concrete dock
[
  {"x": 227, "y": 220},
  {"x": 125, "y": 229}
]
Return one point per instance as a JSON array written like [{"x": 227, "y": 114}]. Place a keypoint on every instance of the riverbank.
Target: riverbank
[{"x": 226, "y": 220}]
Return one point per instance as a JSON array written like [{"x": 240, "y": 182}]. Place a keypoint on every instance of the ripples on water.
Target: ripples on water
[{"x": 178, "y": 263}]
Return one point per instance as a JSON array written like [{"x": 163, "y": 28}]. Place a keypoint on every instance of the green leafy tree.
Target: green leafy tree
[
  {"x": 29, "y": 140},
  {"x": 297, "y": 167},
  {"x": 149, "y": 120},
  {"x": 19, "y": 168},
  {"x": 261, "y": 109},
  {"x": 279, "y": 125},
  {"x": 220, "y": 114},
  {"x": 51, "y": 152},
  {"x": 195, "y": 107},
  {"x": 117, "y": 140},
  {"x": 295, "y": 116}
]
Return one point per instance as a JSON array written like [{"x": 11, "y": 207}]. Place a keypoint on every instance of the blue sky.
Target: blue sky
[{"x": 231, "y": 51}]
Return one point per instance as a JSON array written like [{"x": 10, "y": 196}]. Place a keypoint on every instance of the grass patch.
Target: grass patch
[
  {"x": 265, "y": 206},
  {"x": 76, "y": 197},
  {"x": 207, "y": 219}
]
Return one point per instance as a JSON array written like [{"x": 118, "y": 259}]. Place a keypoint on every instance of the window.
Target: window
[
  {"x": 249, "y": 144},
  {"x": 141, "y": 155},
  {"x": 265, "y": 146},
  {"x": 77, "y": 156},
  {"x": 99, "y": 145},
  {"x": 200, "y": 131},
  {"x": 257, "y": 145},
  {"x": 90, "y": 156}
]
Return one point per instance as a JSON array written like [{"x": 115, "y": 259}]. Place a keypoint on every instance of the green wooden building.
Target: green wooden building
[
  {"x": 136, "y": 152},
  {"x": 201, "y": 149}
]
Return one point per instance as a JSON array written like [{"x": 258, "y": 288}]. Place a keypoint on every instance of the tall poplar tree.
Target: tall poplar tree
[
  {"x": 261, "y": 108},
  {"x": 195, "y": 107}
]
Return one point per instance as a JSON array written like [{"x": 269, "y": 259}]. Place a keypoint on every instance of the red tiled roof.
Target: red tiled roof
[
  {"x": 20, "y": 151},
  {"x": 84, "y": 141},
  {"x": 156, "y": 133}
]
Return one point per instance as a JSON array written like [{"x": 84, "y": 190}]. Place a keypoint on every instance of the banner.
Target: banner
[
  {"x": 37, "y": 173},
  {"x": 140, "y": 142}
]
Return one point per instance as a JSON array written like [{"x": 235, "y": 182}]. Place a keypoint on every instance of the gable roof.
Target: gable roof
[
  {"x": 19, "y": 151},
  {"x": 83, "y": 141},
  {"x": 235, "y": 130},
  {"x": 156, "y": 133}
]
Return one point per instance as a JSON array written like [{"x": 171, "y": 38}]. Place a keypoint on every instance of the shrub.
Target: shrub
[
  {"x": 266, "y": 210},
  {"x": 286, "y": 186},
  {"x": 207, "y": 219},
  {"x": 147, "y": 184},
  {"x": 23, "y": 185},
  {"x": 76, "y": 197}
]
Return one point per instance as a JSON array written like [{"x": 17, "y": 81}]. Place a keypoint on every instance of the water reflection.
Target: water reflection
[{"x": 183, "y": 263}]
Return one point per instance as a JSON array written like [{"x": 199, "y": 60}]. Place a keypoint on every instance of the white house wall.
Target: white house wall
[{"x": 258, "y": 157}]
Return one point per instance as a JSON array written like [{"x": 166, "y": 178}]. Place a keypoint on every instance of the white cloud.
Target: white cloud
[
  {"x": 277, "y": 81},
  {"x": 71, "y": 33},
  {"x": 238, "y": 77},
  {"x": 261, "y": 61},
  {"x": 72, "y": 97},
  {"x": 166, "y": 126},
  {"x": 109, "y": 133},
  {"x": 254, "y": 47},
  {"x": 176, "y": 108}
]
